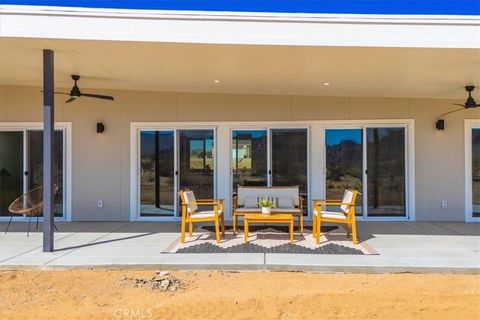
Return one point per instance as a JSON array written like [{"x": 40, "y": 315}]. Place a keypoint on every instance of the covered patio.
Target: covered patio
[
  {"x": 207, "y": 89},
  {"x": 401, "y": 247}
]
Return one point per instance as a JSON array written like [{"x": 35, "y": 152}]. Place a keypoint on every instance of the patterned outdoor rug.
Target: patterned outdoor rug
[{"x": 269, "y": 239}]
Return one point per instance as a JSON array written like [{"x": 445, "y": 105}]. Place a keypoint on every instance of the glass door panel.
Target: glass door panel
[
  {"x": 249, "y": 158},
  {"x": 476, "y": 172},
  {"x": 35, "y": 164},
  {"x": 344, "y": 164},
  {"x": 386, "y": 189},
  {"x": 11, "y": 169},
  {"x": 290, "y": 159},
  {"x": 157, "y": 174},
  {"x": 196, "y": 162}
]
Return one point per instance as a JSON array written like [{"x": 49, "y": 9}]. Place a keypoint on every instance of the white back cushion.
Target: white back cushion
[
  {"x": 251, "y": 202},
  {"x": 190, "y": 201},
  {"x": 347, "y": 198},
  {"x": 265, "y": 192},
  {"x": 286, "y": 202}
]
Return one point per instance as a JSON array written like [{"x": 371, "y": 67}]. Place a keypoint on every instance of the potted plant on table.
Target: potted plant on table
[{"x": 267, "y": 206}]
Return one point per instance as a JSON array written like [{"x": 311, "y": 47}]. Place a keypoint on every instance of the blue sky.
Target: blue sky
[
  {"x": 423, "y": 7},
  {"x": 336, "y": 136}
]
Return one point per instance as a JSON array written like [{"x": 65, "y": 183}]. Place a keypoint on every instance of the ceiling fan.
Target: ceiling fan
[
  {"x": 469, "y": 104},
  {"x": 75, "y": 93}
]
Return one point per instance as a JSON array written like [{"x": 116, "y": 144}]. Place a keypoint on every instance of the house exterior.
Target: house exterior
[{"x": 326, "y": 96}]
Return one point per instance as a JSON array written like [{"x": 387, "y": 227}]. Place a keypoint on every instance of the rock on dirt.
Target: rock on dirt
[{"x": 161, "y": 281}]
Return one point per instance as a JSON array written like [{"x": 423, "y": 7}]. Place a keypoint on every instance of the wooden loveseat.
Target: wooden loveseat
[{"x": 286, "y": 199}]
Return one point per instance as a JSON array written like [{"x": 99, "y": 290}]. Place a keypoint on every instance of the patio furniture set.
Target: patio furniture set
[{"x": 287, "y": 204}]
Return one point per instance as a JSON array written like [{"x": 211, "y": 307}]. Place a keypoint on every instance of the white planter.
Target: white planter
[{"x": 266, "y": 210}]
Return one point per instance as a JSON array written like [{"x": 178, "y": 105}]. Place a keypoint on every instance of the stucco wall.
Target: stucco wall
[{"x": 100, "y": 163}]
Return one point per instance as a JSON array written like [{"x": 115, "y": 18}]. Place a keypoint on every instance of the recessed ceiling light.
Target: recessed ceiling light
[
  {"x": 216, "y": 81},
  {"x": 326, "y": 83}
]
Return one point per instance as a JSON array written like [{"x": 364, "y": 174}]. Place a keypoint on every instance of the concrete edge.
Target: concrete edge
[{"x": 253, "y": 267}]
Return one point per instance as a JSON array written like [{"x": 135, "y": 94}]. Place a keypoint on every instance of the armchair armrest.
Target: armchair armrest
[
  {"x": 326, "y": 203},
  {"x": 205, "y": 202},
  {"x": 327, "y": 200}
]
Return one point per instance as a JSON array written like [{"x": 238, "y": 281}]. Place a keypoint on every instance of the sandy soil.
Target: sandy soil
[{"x": 99, "y": 294}]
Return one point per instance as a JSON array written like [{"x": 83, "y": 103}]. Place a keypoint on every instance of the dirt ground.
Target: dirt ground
[{"x": 101, "y": 294}]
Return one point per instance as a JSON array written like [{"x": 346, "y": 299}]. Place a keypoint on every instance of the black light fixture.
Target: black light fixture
[
  {"x": 100, "y": 127},
  {"x": 440, "y": 125}
]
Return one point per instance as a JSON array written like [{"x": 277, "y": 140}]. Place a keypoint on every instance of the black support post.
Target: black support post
[{"x": 48, "y": 132}]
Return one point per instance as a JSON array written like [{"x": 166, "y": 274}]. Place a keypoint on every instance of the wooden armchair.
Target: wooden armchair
[
  {"x": 346, "y": 214},
  {"x": 191, "y": 214}
]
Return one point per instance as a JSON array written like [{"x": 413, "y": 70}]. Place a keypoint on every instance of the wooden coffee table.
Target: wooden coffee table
[{"x": 263, "y": 218}]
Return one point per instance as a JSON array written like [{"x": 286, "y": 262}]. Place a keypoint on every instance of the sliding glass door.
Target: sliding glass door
[
  {"x": 35, "y": 165},
  {"x": 169, "y": 161},
  {"x": 290, "y": 158},
  {"x": 386, "y": 172},
  {"x": 11, "y": 169},
  {"x": 157, "y": 173},
  {"x": 21, "y": 166},
  {"x": 371, "y": 160},
  {"x": 344, "y": 163},
  {"x": 475, "y": 173},
  {"x": 196, "y": 162},
  {"x": 249, "y": 158},
  {"x": 270, "y": 157}
]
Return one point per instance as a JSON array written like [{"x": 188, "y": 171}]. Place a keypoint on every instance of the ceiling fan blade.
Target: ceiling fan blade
[
  {"x": 458, "y": 104},
  {"x": 98, "y": 96},
  {"x": 70, "y": 100},
  {"x": 462, "y": 108}
]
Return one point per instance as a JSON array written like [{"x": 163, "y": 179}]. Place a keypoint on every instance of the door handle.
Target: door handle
[
  {"x": 269, "y": 171},
  {"x": 176, "y": 173}
]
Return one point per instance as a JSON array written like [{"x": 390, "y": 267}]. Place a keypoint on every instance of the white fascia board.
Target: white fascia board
[{"x": 240, "y": 28}]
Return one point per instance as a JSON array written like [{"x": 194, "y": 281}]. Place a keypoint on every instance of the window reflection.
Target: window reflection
[
  {"x": 290, "y": 160},
  {"x": 196, "y": 162},
  {"x": 344, "y": 163},
  {"x": 35, "y": 165},
  {"x": 11, "y": 169},
  {"x": 157, "y": 187},
  {"x": 386, "y": 171},
  {"x": 249, "y": 158},
  {"x": 476, "y": 172}
]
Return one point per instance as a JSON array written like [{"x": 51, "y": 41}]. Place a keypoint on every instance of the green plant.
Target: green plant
[{"x": 265, "y": 203}]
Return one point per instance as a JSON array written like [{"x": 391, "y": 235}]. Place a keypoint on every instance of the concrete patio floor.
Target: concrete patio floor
[{"x": 402, "y": 247}]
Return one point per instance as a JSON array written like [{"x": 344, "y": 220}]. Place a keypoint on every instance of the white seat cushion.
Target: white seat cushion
[
  {"x": 331, "y": 214},
  {"x": 205, "y": 214}
]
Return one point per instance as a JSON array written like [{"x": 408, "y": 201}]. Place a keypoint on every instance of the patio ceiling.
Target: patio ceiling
[{"x": 292, "y": 70}]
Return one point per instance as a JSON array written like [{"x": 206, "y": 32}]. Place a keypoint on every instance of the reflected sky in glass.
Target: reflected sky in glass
[{"x": 335, "y": 137}]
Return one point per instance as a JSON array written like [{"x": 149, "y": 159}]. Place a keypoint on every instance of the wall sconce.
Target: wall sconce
[
  {"x": 100, "y": 127},
  {"x": 440, "y": 125}
]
